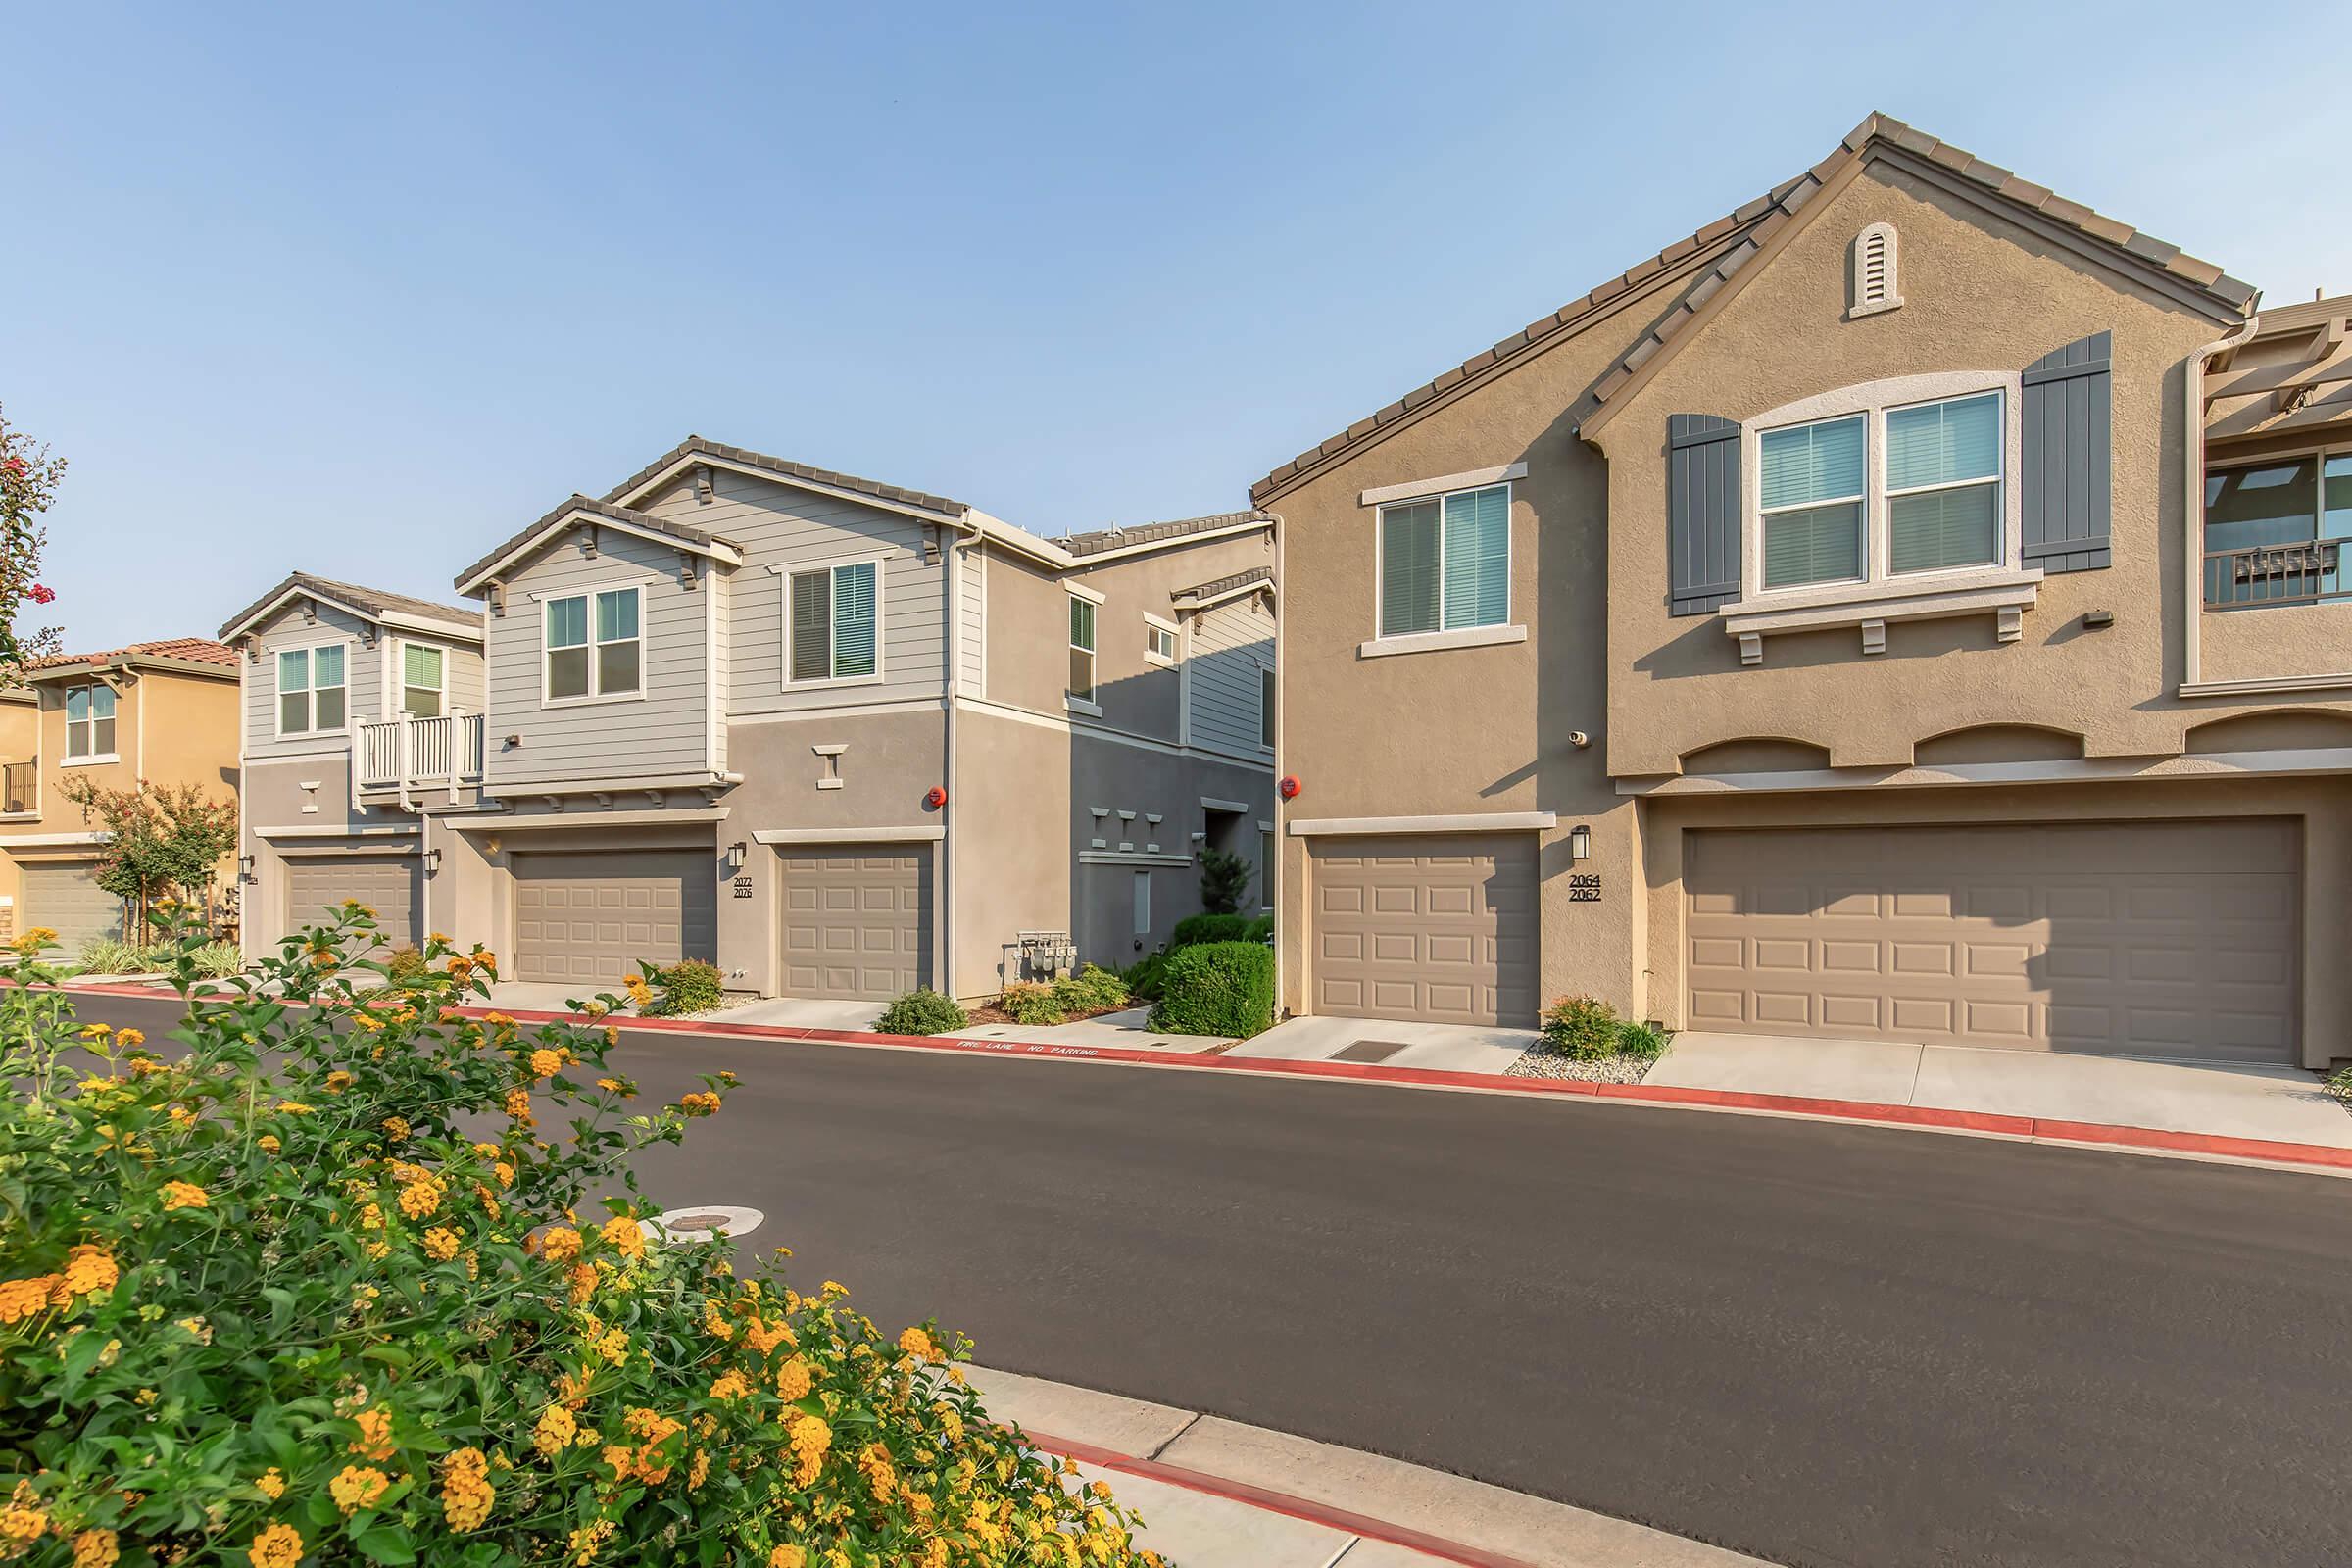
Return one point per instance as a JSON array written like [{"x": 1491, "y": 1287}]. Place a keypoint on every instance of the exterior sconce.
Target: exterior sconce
[
  {"x": 1580, "y": 843},
  {"x": 432, "y": 859},
  {"x": 245, "y": 867}
]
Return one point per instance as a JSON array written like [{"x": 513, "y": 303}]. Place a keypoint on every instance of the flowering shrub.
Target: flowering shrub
[{"x": 360, "y": 1279}]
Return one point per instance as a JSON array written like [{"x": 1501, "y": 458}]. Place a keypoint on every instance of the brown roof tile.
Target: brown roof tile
[
  {"x": 785, "y": 468},
  {"x": 1145, "y": 533},
  {"x": 371, "y": 600},
  {"x": 187, "y": 649}
]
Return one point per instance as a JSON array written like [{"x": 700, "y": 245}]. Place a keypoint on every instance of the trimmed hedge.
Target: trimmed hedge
[
  {"x": 1195, "y": 929},
  {"x": 690, "y": 986},
  {"x": 1217, "y": 987},
  {"x": 923, "y": 1011}
]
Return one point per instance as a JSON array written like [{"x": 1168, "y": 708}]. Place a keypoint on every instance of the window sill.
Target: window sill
[
  {"x": 828, "y": 682},
  {"x": 596, "y": 700},
  {"x": 1079, "y": 705},
  {"x": 1157, "y": 661},
  {"x": 1429, "y": 641},
  {"x": 91, "y": 761},
  {"x": 2003, "y": 594},
  {"x": 20, "y": 816}
]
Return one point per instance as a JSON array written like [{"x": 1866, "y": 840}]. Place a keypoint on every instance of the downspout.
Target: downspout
[
  {"x": 1282, "y": 720},
  {"x": 953, "y": 783},
  {"x": 2192, "y": 657}
]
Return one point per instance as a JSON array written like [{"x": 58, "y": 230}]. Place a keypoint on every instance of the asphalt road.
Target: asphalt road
[{"x": 1816, "y": 1344}]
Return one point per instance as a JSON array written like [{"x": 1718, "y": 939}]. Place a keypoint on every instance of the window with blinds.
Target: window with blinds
[
  {"x": 1944, "y": 484},
  {"x": 1811, "y": 489},
  {"x": 595, "y": 645},
  {"x": 312, "y": 691},
  {"x": 1082, "y": 649},
  {"x": 1445, "y": 563},
  {"x": 833, "y": 623},
  {"x": 422, "y": 686}
]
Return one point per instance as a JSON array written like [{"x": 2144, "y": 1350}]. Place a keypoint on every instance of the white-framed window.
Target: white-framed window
[
  {"x": 424, "y": 680},
  {"x": 1265, "y": 707},
  {"x": 1446, "y": 562},
  {"x": 314, "y": 689},
  {"x": 1082, "y": 649},
  {"x": 1159, "y": 642},
  {"x": 89, "y": 723},
  {"x": 1883, "y": 485},
  {"x": 594, "y": 645},
  {"x": 833, "y": 623}
]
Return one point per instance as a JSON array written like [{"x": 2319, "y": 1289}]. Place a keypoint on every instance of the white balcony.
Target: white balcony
[{"x": 417, "y": 753}]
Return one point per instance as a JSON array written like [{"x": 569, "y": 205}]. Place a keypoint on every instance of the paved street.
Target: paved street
[{"x": 1821, "y": 1345}]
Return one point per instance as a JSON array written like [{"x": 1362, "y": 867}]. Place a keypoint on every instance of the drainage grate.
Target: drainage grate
[{"x": 1371, "y": 1050}]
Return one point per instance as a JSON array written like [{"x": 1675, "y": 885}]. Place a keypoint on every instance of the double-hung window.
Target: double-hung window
[
  {"x": 1811, "y": 497},
  {"x": 424, "y": 680},
  {"x": 595, "y": 645},
  {"x": 1159, "y": 642},
  {"x": 89, "y": 723},
  {"x": 2274, "y": 530},
  {"x": 1944, "y": 484},
  {"x": 1082, "y": 649},
  {"x": 312, "y": 690},
  {"x": 832, "y": 623},
  {"x": 1445, "y": 563}
]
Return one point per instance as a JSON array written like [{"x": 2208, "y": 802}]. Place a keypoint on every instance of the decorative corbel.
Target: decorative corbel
[
  {"x": 705, "y": 486},
  {"x": 689, "y": 573},
  {"x": 588, "y": 541},
  {"x": 497, "y": 596},
  {"x": 310, "y": 611}
]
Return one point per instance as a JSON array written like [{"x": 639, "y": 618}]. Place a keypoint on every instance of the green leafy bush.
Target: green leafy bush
[
  {"x": 1640, "y": 1040},
  {"x": 1224, "y": 878},
  {"x": 923, "y": 1011},
  {"x": 1580, "y": 1028},
  {"x": 690, "y": 986},
  {"x": 1032, "y": 1003},
  {"x": 1092, "y": 989},
  {"x": 2338, "y": 1084},
  {"x": 108, "y": 956},
  {"x": 1217, "y": 987},
  {"x": 1260, "y": 929},
  {"x": 219, "y": 961},
  {"x": 330, "y": 1293},
  {"x": 1195, "y": 929},
  {"x": 1146, "y": 975}
]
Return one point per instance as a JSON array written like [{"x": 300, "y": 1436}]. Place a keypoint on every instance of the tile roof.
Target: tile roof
[
  {"x": 1145, "y": 533},
  {"x": 372, "y": 601},
  {"x": 1730, "y": 242},
  {"x": 1216, "y": 586},
  {"x": 695, "y": 445},
  {"x": 187, "y": 650},
  {"x": 683, "y": 532}
]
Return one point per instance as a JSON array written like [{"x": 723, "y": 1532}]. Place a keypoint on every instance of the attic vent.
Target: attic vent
[{"x": 1875, "y": 285}]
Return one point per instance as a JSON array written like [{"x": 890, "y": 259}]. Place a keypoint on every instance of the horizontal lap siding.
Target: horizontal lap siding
[
  {"x": 468, "y": 687},
  {"x": 363, "y": 668},
  {"x": 974, "y": 676},
  {"x": 778, "y": 526},
  {"x": 1229, "y": 644},
  {"x": 666, "y": 731}
]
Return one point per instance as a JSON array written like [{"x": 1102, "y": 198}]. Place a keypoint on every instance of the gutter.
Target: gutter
[{"x": 2192, "y": 567}]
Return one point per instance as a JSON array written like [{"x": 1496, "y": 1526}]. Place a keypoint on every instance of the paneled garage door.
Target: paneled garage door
[
  {"x": 2152, "y": 939},
  {"x": 317, "y": 885},
  {"x": 1440, "y": 928},
  {"x": 65, "y": 897},
  {"x": 597, "y": 915},
  {"x": 857, "y": 920}
]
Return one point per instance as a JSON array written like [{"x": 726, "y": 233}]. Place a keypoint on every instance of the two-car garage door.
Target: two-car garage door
[{"x": 2150, "y": 939}]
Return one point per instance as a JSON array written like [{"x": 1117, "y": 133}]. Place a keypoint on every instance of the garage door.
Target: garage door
[
  {"x": 856, "y": 921},
  {"x": 596, "y": 917},
  {"x": 2159, "y": 939},
  {"x": 1441, "y": 929},
  {"x": 317, "y": 885},
  {"x": 65, "y": 897}
]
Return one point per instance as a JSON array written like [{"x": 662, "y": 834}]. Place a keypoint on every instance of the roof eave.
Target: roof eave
[{"x": 483, "y": 572}]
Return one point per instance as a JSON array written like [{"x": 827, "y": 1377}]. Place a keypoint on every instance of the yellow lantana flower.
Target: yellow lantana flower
[
  {"x": 277, "y": 1547},
  {"x": 184, "y": 1195},
  {"x": 357, "y": 1488}
]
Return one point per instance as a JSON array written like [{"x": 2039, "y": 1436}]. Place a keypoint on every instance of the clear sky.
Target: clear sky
[{"x": 364, "y": 290}]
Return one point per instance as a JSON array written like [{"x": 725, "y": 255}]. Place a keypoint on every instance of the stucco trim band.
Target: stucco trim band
[
  {"x": 336, "y": 832},
  {"x": 49, "y": 841},
  {"x": 694, "y": 818},
  {"x": 1130, "y": 857},
  {"x": 1414, "y": 489},
  {"x": 2285, "y": 763},
  {"x": 2266, "y": 685},
  {"x": 1466, "y": 823},
  {"x": 849, "y": 835}
]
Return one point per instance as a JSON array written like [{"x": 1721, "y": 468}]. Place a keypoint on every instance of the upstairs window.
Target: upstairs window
[
  {"x": 422, "y": 680},
  {"x": 89, "y": 723},
  {"x": 1944, "y": 484},
  {"x": 1266, "y": 707},
  {"x": 1811, "y": 498},
  {"x": 1082, "y": 649},
  {"x": 607, "y": 663},
  {"x": 832, "y": 623},
  {"x": 2274, "y": 529},
  {"x": 1159, "y": 642},
  {"x": 1445, "y": 563},
  {"x": 312, "y": 691}
]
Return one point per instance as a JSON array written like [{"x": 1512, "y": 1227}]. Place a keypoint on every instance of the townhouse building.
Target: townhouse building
[
  {"x": 163, "y": 711},
  {"x": 1910, "y": 607},
  {"x": 838, "y": 737}
]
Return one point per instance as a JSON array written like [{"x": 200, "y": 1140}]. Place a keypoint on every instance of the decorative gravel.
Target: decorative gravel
[{"x": 1536, "y": 1063}]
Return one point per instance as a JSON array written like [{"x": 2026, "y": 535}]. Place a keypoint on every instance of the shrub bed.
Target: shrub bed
[
  {"x": 1217, "y": 987},
  {"x": 923, "y": 1011},
  {"x": 683, "y": 988},
  {"x": 328, "y": 1290},
  {"x": 1588, "y": 1029}
]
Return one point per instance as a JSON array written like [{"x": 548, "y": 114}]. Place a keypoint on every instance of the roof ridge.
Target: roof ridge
[{"x": 785, "y": 468}]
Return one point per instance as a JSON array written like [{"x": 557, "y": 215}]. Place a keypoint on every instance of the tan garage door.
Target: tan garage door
[
  {"x": 1440, "y": 928},
  {"x": 597, "y": 915},
  {"x": 317, "y": 885},
  {"x": 2152, "y": 939},
  {"x": 65, "y": 897},
  {"x": 856, "y": 921}
]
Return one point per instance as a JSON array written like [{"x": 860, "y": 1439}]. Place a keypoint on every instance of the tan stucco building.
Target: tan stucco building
[
  {"x": 163, "y": 711},
  {"x": 1906, "y": 608}
]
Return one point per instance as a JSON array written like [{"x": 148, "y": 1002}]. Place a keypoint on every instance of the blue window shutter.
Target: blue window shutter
[
  {"x": 2066, "y": 456},
  {"x": 1704, "y": 502}
]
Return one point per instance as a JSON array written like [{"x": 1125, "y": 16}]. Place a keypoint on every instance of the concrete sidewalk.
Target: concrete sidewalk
[
  {"x": 1446, "y": 1047},
  {"x": 1215, "y": 1493}
]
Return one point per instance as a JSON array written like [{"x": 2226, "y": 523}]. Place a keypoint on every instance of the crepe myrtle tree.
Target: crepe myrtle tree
[
  {"x": 28, "y": 481},
  {"x": 159, "y": 840}
]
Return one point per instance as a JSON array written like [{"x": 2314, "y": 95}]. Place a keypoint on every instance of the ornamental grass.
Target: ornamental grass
[{"x": 340, "y": 1275}]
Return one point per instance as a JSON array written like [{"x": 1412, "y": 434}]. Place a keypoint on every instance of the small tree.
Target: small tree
[
  {"x": 1224, "y": 878},
  {"x": 159, "y": 840},
  {"x": 29, "y": 480}
]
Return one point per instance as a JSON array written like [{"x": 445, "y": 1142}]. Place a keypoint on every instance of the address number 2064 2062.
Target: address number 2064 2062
[{"x": 1584, "y": 887}]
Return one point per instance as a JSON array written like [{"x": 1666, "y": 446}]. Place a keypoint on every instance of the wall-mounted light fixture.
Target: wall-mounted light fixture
[
  {"x": 432, "y": 859},
  {"x": 245, "y": 867},
  {"x": 1580, "y": 843}
]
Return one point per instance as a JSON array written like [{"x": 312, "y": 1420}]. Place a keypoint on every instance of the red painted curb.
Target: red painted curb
[{"x": 1281, "y": 1502}]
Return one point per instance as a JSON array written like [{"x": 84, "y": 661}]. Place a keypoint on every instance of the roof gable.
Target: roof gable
[
  {"x": 367, "y": 604},
  {"x": 634, "y": 487},
  {"x": 584, "y": 510}
]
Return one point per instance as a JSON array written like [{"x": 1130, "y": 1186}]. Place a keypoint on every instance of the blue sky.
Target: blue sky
[{"x": 363, "y": 290}]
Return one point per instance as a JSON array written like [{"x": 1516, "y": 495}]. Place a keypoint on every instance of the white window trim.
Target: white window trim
[
  {"x": 1070, "y": 698},
  {"x": 595, "y": 695},
  {"x": 400, "y": 671},
  {"x": 1423, "y": 489},
  {"x": 277, "y": 705},
  {"x": 1402, "y": 642},
  {"x": 878, "y": 560},
  {"x": 1875, "y": 400},
  {"x": 1151, "y": 655},
  {"x": 91, "y": 758}
]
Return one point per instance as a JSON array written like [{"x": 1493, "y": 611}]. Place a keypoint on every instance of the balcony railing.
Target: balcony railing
[
  {"x": 2301, "y": 573},
  {"x": 443, "y": 752},
  {"x": 20, "y": 788}
]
